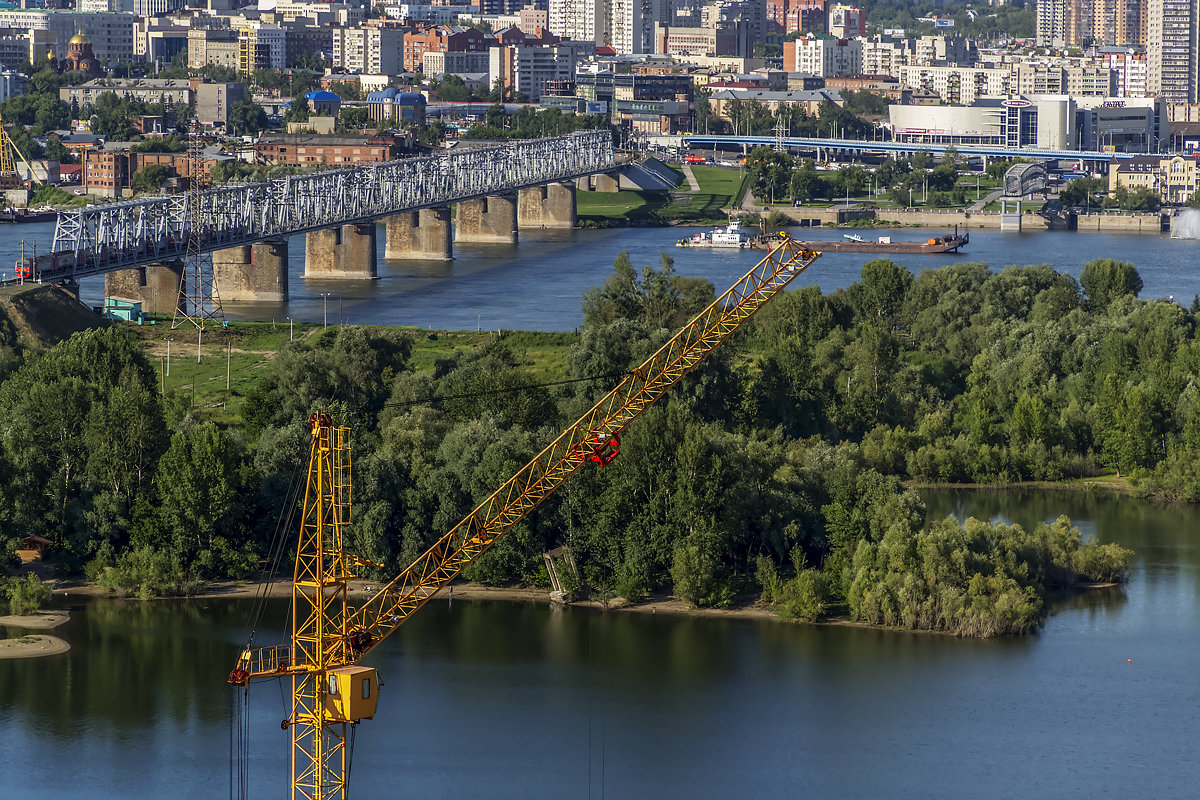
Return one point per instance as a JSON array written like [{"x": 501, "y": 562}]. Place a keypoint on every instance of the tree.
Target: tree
[
  {"x": 353, "y": 118},
  {"x": 149, "y": 178},
  {"x": 1104, "y": 280},
  {"x": 247, "y": 117},
  {"x": 298, "y": 112}
]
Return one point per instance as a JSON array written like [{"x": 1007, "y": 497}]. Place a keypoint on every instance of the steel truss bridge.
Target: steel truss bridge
[{"x": 103, "y": 238}]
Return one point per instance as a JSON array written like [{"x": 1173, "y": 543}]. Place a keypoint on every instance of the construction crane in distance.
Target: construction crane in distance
[
  {"x": 330, "y": 635},
  {"x": 10, "y": 178}
]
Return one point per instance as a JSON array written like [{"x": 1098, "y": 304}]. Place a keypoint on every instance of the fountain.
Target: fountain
[{"x": 1186, "y": 225}]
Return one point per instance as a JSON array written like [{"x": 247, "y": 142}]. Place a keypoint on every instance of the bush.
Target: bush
[
  {"x": 806, "y": 596},
  {"x": 26, "y": 595},
  {"x": 146, "y": 572}
]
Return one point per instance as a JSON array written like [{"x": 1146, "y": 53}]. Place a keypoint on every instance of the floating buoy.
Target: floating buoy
[{"x": 1129, "y": 660}]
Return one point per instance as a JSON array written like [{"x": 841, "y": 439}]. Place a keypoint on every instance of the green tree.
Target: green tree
[
  {"x": 149, "y": 178},
  {"x": 1104, "y": 280}
]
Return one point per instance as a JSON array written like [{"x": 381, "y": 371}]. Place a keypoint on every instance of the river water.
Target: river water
[
  {"x": 537, "y": 284},
  {"x": 506, "y": 700}
]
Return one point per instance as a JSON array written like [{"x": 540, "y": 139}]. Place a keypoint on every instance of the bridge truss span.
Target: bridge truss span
[{"x": 102, "y": 238}]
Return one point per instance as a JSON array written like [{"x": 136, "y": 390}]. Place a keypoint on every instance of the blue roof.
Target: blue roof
[
  {"x": 396, "y": 97},
  {"x": 322, "y": 96},
  {"x": 409, "y": 99}
]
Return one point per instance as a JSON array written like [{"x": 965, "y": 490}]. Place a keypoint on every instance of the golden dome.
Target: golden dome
[{"x": 79, "y": 38}]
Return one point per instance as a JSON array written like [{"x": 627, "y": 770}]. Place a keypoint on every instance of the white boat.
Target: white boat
[
  {"x": 854, "y": 237},
  {"x": 732, "y": 235}
]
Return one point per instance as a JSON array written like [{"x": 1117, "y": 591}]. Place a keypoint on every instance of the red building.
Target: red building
[
  {"x": 788, "y": 16},
  {"x": 443, "y": 39}
]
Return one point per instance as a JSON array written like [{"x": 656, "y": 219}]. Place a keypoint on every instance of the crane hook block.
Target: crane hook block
[{"x": 604, "y": 449}]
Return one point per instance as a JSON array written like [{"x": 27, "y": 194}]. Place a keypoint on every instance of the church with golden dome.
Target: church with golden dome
[{"x": 80, "y": 58}]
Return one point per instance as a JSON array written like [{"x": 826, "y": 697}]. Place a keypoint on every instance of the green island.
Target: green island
[{"x": 780, "y": 472}]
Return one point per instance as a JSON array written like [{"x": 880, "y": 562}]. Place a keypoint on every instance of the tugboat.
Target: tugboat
[{"x": 732, "y": 235}]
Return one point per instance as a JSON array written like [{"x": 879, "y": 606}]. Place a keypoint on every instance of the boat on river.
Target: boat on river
[
  {"x": 18, "y": 215},
  {"x": 732, "y": 235},
  {"x": 853, "y": 243}
]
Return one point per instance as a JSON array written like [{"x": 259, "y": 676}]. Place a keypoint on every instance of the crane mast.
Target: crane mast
[{"x": 330, "y": 636}]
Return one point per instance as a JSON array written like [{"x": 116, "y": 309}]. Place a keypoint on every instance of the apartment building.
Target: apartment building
[
  {"x": 1130, "y": 69},
  {"x": 1172, "y": 52},
  {"x": 959, "y": 85},
  {"x": 371, "y": 50},
  {"x": 529, "y": 68},
  {"x": 300, "y": 149},
  {"x": 111, "y": 34},
  {"x": 213, "y": 46},
  {"x": 1174, "y": 179},
  {"x": 168, "y": 91},
  {"x": 443, "y": 39},
  {"x": 824, "y": 56}
]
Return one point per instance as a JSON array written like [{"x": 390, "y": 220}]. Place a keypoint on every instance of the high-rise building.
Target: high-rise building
[
  {"x": 1076, "y": 23},
  {"x": 580, "y": 20},
  {"x": 1172, "y": 51}
]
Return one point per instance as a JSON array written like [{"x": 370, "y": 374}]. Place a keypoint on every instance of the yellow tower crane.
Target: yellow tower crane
[
  {"x": 330, "y": 636},
  {"x": 9, "y": 177}
]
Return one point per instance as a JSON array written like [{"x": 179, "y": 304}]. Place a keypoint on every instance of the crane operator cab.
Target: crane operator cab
[{"x": 351, "y": 694}]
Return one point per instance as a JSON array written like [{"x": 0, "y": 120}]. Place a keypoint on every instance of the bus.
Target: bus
[{"x": 694, "y": 160}]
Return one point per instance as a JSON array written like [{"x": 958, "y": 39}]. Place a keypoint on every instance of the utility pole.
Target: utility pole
[{"x": 228, "y": 358}]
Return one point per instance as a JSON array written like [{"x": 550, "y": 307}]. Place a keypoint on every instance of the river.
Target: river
[
  {"x": 537, "y": 284},
  {"x": 507, "y": 700}
]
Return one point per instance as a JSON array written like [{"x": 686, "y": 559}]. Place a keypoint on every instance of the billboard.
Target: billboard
[{"x": 596, "y": 107}]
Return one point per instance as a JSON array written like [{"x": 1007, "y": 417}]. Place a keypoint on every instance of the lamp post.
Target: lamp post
[
  {"x": 291, "y": 338},
  {"x": 325, "y": 296}
]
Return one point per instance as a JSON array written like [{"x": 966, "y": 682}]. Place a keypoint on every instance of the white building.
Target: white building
[
  {"x": 273, "y": 40},
  {"x": 527, "y": 69},
  {"x": 824, "y": 56},
  {"x": 580, "y": 20},
  {"x": 1131, "y": 71},
  {"x": 961, "y": 85},
  {"x": 631, "y": 24},
  {"x": 1172, "y": 51},
  {"x": 438, "y": 15},
  {"x": 369, "y": 50}
]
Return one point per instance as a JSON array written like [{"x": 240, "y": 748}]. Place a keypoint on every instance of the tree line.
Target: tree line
[{"x": 774, "y": 468}]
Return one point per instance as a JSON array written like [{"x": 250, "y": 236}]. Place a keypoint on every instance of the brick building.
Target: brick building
[
  {"x": 443, "y": 39},
  {"x": 302, "y": 149}
]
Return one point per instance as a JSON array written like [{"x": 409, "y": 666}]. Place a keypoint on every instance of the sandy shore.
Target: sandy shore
[
  {"x": 38, "y": 644},
  {"x": 660, "y": 603},
  {"x": 34, "y": 645}
]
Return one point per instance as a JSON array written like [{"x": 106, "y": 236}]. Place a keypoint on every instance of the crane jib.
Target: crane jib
[{"x": 330, "y": 636}]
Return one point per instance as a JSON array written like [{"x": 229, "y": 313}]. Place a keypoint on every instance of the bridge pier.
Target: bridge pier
[
  {"x": 605, "y": 182},
  {"x": 252, "y": 272},
  {"x": 549, "y": 206},
  {"x": 1010, "y": 220},
  {"x": 423, "y": 235},
  {"x": 157, "y": 286},
  {"x": 343, "y": 251},
  {"x": 487, "y": 219}
]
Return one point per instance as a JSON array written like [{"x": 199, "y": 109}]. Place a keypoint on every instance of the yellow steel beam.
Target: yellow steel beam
[{"x": 509, "y": 504}]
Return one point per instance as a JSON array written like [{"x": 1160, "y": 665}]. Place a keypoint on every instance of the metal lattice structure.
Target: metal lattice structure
[
  {"x": 1021, "y": 180},
  {"x": 329, "y": 636},
  {"x": 199, "y": 300},
  {"x": 132, "y": 233}
]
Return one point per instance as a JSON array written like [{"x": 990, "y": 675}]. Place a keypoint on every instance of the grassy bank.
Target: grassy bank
[{"x": 719, "y": 189}]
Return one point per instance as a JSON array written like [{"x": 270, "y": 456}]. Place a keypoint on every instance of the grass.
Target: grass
[
  {"x": 718, "y": 190},
  {"x": 247, "y": 349}
]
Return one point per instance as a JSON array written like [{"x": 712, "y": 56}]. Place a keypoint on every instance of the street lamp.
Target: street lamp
[
  {"x": 325, "y": 295},
  {"x": 291, "y": 338}
]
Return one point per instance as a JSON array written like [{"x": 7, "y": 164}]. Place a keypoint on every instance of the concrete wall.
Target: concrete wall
[{"x": 252, "y": 272}]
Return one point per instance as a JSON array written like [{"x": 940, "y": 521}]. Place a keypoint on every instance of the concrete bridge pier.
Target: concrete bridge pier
[
  {"x": 548, "y": 206},
  {"x": 343, "y": 251},
  {"x": 1010, "y": 214},
  {"x": 157, "y": 286},
  {"x": 487, "y": 219},
  {"x": 423, "y": 235},
  {"x": 605, "y": 182},
  {"x": 256, "y": 271}
]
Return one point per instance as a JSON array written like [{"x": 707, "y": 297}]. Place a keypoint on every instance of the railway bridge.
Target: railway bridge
[{"x": 140, "y": 245}]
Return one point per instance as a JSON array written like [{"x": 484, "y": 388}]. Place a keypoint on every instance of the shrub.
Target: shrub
[{"x": 26, "y": 595}]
